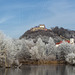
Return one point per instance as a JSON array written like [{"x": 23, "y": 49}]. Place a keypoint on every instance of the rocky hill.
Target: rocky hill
[{"x": 56, "y": 33}]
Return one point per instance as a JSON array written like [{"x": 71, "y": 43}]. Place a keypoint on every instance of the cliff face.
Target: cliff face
[{"x": 56, "y": 33}]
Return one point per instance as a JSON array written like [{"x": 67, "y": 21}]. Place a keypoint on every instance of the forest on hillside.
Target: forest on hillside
[
  {"x": 58, "y": 34},
  {"x": 27, "y": 49}
]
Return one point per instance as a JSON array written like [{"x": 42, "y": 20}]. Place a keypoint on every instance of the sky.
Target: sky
[{"x": 18, "y": 16}]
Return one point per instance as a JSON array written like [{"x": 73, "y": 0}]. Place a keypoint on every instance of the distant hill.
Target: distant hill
[{"x": 56, "y": 33}]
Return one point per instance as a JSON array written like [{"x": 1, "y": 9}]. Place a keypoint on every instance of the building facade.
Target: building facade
[{"x": 40, "y": 27}]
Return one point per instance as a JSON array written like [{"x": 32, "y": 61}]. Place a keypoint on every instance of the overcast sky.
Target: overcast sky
[{"x": 17, "y": 16}]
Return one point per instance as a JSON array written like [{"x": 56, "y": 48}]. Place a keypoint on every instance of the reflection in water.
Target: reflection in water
[{"x": 40, "y": 70}]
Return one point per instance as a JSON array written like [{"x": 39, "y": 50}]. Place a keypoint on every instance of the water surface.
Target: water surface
[{"x": 40, "y": 70}]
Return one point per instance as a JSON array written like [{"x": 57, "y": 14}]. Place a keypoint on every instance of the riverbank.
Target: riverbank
[
  {"x": 34, "y": 62},
  {"x": 39, "y": 62}
]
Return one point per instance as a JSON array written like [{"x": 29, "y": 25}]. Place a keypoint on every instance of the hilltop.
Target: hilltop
[
  {"x": 36, "y": 46},
  {"x": 58, "y": 34}
]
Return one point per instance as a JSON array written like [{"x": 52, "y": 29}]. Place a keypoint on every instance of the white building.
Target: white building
[
  {"x": 72, "y": 40},
  {"x": 42, "y": 26}
]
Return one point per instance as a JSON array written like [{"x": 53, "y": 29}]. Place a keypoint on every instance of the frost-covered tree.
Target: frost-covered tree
[
  {"x": 2, "y": 45},
  {"x": 29, "y": 42},
  {"x": 38, "y": 51},
  {"x": 2, "y": 42},
  {"x": 18, "y": 49},
  {"x": 70, "y": 58},
  {"x": 50, "y": 49},
  {"x": 34, "y": 53},
  {"x": 41, "y": 48},
  {"x": 24, "y": 52},
  {"x": 64, "y": 49},
  {"x": 10, "y": 47}
]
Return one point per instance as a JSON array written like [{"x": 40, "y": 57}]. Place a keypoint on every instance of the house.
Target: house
[{"x": 71, "y": 41}]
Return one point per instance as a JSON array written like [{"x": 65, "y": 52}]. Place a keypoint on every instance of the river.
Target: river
[{"x": 40, "y": 70}]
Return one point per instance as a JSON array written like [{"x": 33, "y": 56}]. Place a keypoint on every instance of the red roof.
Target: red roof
[
  {"x": 45, "y": 29},
  {"x": 62, "y": 41},
  {"x": 67, "y": 41}
]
